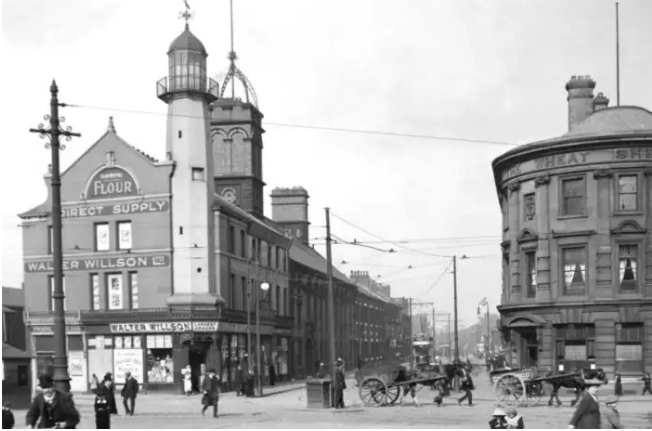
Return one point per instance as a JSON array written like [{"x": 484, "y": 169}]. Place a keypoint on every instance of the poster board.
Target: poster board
[{"x": 127, "y": 360}]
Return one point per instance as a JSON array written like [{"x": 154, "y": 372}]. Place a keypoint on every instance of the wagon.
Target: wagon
[
  {"x": 379, "y": 386},
  {"x": 523, "y": 386}
]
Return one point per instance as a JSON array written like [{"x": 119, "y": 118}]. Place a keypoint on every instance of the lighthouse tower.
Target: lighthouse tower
[{"x": 188, "y": 93}]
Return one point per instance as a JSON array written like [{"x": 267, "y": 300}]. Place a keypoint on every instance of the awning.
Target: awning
[{"x": 7, "y": 310}]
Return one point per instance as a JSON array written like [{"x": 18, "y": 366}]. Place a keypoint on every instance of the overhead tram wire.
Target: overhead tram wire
[{"x": 310, "y": 127}]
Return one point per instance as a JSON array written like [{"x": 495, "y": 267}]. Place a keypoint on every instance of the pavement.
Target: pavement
[{"x": 284, "y": 406}]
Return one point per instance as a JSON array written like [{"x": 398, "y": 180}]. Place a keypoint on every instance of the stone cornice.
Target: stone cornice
[
  {"x": 514, "y": 187},
  {"x": 647, "y": 172}
]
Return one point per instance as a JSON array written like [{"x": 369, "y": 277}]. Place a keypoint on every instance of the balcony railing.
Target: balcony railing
[{"x": 167, "y": 86}]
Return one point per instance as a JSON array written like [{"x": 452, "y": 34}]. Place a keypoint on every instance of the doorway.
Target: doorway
[
  {"x": 196, "y": 357},
  {"x": 529, "y": 347}
]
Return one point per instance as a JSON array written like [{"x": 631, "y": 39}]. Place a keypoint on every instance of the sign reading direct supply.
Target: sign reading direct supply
[{"x": 117, "y": 209}]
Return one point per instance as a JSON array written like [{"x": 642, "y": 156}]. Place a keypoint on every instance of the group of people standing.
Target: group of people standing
[{"x": 105, "y": 404}]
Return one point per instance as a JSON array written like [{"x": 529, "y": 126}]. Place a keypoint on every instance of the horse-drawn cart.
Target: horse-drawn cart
[
  {"x": 520, "y": 386},
  {"x": 381, "y": 383}
]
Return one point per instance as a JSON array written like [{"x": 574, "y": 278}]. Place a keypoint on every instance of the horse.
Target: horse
[{"x": 575, "y": 381}]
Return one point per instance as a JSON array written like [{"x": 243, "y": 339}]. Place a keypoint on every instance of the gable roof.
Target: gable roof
[
  {"x": 13, "y": 297},
  {"x": 44, "y": 209},
  {"x": 614, "y": 121},
  {"x": 309, "y": 257}
]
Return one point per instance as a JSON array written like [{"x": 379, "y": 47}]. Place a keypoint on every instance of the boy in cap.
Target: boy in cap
[
  {"x": 513, "y": 419},
  {"x": 8, "y": 420},
  {"x": 610, "y": 416},
  {"x": 52, "y": 408}
]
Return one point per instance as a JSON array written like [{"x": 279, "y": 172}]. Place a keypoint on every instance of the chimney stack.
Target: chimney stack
[
  {"x": 580, "y": 99},
  {"x": 290, "y": 210},
  {"x": 600, "y": 102}
]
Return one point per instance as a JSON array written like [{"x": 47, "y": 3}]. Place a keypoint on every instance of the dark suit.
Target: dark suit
[
  {"x": 129, "y": 392},
  {"x": 61, "y": 410},
  {"x": 587, "y": 413},
  {"x": 211, "y": 389},
  {"x": 339, "y": 386}
]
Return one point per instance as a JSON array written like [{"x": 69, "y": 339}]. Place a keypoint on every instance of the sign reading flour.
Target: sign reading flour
[{"x": 111, "y": 182}]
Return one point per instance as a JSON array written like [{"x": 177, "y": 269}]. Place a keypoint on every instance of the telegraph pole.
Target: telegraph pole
[
  {"x": 331, "y": 299},
  {"x": 60, "y": 377},
  {"x": 457, "y": 347}
]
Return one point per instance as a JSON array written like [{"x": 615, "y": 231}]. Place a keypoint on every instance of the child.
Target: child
[
  {"x": 618, "y": 390},
  {"x": 514, "y": 420},
  {"x": 498, "y": 422},
  {"x": 647, "y": 384},
  {"x": 102, "y": 409},
  {"x": 610, "y": 416},
  {"x": 7, "y": 416}
]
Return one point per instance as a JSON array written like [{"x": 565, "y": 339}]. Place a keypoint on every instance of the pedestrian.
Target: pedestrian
[
  {"x": 108, "y": 387},
  {"x": 618, "y": 387},
  {"x": 467, "y": 386},
  {"x": 322, "y": 370},
  {"x": 52, "y": 408},
  {"x": 250, "y": 380},
  {"x": 498, "y": 421},
  {"x": 611, "y": 416},
  {"x": 102, "y": 407},
  {"x": 8, "y": 420},
  {"x": 513, "y": 419},
  {"x": 237, "y": 381},
  {"x": 647, "y": 384},
  {"x": 339, "y": 384},
  {"x": 211, "y": 390},
  {"x": 272, "y": 374},
  {"x": 95, "y": 383},
  {"x": 129, "y": 392},
  {"x": 402, "y": 376},
  {"x": 187, "y": 380},
  {"x": 587, "y": 412}
]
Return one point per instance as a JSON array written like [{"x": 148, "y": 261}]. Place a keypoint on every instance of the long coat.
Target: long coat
[
  {"x": 211, "y": 389},
  {"x": 587, "y": 413},
  {"x": 340, "y": 381},
  {"x": 61, "y": 410}
]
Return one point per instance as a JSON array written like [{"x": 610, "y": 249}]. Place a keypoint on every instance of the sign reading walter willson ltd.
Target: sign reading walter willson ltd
[
  {"x": 122, "y": 328},
  {"x": 111, "y": 182},
  {"x": 101, "y": 263}
]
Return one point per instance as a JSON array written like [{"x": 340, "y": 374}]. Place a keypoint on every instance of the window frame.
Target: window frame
[
  {"x": 118, "y": 242},
  {"x": 524, "y": 206},
  {"x": 245, "y": 293},
  {"x": 92, "y": 278},
  {"x": 562, "y": 272},
  {"x": 231, "y": 245},
  {"x": 639, "y": 242},
  {"x": 107, "y": 287},
  {"x": 529, "y": 283},
  {"x": 243, "y": 243},
  {"x": 96, "y": 226},
  {"x": 232, "y": 290},
  {"x": 51, "y": 294},
  {"x": 130, "y": 280},
  {"x": 639, "y": 196},
  {"x": 562, "y": 200}
]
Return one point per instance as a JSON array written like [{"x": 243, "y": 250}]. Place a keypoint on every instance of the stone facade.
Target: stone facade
[{"x": 577, "y": 241}]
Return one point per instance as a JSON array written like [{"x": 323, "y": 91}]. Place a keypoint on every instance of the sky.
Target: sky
[{"x": 477, "y": 70}]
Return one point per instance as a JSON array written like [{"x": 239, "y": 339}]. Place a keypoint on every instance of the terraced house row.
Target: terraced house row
[{"x": 166, "y": 260}]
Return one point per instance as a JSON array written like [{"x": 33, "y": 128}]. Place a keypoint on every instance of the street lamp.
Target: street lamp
[{"x": 264, "y": 286}]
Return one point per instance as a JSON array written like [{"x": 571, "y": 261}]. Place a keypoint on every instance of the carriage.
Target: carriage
[{"x": 379, "y": 384}]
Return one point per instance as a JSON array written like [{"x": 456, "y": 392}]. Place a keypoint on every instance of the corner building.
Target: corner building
[{"x": 577, "y": 240}]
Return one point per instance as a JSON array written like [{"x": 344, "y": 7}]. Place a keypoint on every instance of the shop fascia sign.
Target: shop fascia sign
[
  {"x": 178, "y": 327},
  {"x": 69, "y": 265},
  {"x": 49, "y": 320}
]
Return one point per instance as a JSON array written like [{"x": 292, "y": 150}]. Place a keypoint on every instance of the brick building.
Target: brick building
[
  {"x": 15, "y": 355},
  {"x": 577, "y": 240}
]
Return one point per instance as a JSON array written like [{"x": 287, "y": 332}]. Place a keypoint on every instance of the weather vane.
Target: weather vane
[{"x": 187, "y": 15}]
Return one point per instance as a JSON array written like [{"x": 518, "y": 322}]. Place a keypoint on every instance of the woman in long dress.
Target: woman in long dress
[{"x": 187, "y": 380}]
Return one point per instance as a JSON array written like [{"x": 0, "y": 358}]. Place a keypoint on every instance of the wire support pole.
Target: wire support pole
[
  {"x": 331, "y": 299},
  {"x": 60, "y": 376}
]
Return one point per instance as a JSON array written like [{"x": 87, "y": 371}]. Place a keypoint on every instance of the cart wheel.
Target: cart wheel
[
  {"x": 392, "y": 394},
  {"x": 373, "y": 392},
  {"x": 510, "y": 390},
  {"x": 541, "y": 392}
]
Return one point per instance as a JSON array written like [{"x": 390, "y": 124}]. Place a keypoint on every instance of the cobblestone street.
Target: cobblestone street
[{"x": 285, "y": 407}]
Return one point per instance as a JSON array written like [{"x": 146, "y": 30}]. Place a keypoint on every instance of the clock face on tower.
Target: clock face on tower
[{"x": 229, "y": 195}]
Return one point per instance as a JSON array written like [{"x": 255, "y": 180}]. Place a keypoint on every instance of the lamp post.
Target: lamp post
[{"x": 264, "y": 287}]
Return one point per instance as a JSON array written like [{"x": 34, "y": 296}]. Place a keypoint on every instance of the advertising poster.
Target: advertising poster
[
  {"x": 76, "y": 363},
  {"x": 114, "y": 286},
  {"x": 128, "y": 360}
]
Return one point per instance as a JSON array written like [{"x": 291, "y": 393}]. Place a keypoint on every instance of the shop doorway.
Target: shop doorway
[
  {"x": 196, "y": 357},
  {"x": 529, "y": 347}
]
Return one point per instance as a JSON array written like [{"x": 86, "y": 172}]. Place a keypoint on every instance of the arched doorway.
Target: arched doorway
[{"x": 526, "y": 336}]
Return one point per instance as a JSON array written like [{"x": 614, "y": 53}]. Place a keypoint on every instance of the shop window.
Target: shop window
[
  {"x": 531, "y": 274},
  {"x": 102, "y": 242},
  {"x": 124, "y": 235},
  {"x": 627, "y": 192},
  {"x": 115, "y": 297},
  {"x": 629, "y": 348},
  {"x": 574, "y": 270},
  {"x": 63, "y": 282},
  {"x": 575, "y": 346},
  {"x": 95, "y": 292},
  {"x": 573, "y": 196},
  {"x": 133, "y": 289},
  {"x": 627, "y": 267},
  {"x": 160, "y": 367}
]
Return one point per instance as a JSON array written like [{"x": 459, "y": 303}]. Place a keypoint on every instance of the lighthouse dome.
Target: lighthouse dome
[{"x": 187, "y": 41}]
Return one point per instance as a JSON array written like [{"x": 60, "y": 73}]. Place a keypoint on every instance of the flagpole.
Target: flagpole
[{"x": 617, "y": 58}]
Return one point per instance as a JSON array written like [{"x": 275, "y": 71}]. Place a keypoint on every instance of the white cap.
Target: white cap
[{"x": 499, "y": 412}]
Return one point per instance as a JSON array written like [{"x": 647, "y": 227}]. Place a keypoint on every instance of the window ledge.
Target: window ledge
[
  {"x": 629, "y": 212},
  {"x": 571, "y": 217}
]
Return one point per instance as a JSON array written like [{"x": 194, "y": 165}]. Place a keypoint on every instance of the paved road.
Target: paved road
[{"x": 287, "y": 409}]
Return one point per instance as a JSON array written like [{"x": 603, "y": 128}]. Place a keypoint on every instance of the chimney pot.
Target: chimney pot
[{"x": 580, "y": 99}]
